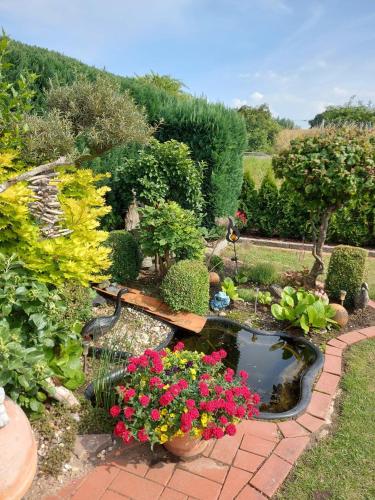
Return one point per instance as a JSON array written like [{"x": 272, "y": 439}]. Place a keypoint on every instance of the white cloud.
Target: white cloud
[
  {"x": 237, "y": 102},
  {"x": 256, "y": 96}
]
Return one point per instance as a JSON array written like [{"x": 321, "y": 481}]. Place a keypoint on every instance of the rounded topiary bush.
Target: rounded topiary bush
[
  {"x": 186, "y": 287},
  {"x": 346, "y": 271},
  {"x": 125, "y": 256}
]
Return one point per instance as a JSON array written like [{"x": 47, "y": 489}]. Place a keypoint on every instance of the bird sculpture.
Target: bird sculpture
[
  {"x": 233, "y": 233},
  {"x": 103, "y": 324},
  {"x": 362, "y": 298}
]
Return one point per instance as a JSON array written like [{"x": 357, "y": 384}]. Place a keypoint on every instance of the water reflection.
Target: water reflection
[{"x": 275, "y": 363}]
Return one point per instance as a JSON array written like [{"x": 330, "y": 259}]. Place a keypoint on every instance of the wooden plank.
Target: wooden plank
[{"x": 156, "y": 307}]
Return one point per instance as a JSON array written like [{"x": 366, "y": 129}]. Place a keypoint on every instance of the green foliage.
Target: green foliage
[
  {"x": 348, "y": 113},
  {"x": 248, "y": 201},
  {"x": 246, "y": 294},
  {"x": 346, "y": 271},
  {"x": 286, "y": 123},
  {"x": 261, "y": 127},
  {"x": 304, "y": 309},
  {"x": 94, "y": 420},
  {"x": 169, "y": 229},
  {"x": 216, "y": 264},
  {"x": 34, "y": 345},
  {"x": 167, "y": 83},
  {"x": 264, "y": 298},
  {"x": 166, "y": 172},
  {"x": 230, "y": 289},
  {"x": 125, "y": 256},
  {"x": 77, "y": 300},
  {"x": 263, "y": 273},
  {"x": 186, "y": 287},
  {"x": 268, "y": 207}
]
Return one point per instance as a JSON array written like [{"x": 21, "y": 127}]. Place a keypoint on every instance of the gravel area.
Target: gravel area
[{"x": 134, "y": 332}]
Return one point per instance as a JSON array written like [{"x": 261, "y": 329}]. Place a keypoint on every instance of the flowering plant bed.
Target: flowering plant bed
[{"x": 170, "y": 394}]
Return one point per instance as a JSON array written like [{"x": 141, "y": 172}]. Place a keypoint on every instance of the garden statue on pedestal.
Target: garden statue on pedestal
[
  {"x": 220, "y": 301},
  {"x": 362, "y": 298},
  {"x": 4, "y": 419}
]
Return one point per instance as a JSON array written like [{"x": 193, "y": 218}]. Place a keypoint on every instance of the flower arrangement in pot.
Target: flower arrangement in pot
[{"x": 181, "y": 399}]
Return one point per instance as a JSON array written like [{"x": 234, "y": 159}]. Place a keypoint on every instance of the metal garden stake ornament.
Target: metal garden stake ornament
[{"x": 233, "y": 235}]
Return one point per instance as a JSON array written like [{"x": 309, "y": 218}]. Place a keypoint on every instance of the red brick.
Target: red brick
[
  {"x": 337, "y": 343},
  {"x": 291, "y": 448},
  {"x": 319, "y": 405},
  {"x": 112, "y": 495},
  {"x": 206, "y": 467},
  {"x": 290, "y": 428},
  {"x": 368, "y": 332},
  {"x": 193, "y": 485},
  {"x": 371, "y": 303},
  {"x": 96, "y": 482},
  {"x": 257, "y": 445},
  {"x": 311, "y": 423},
  {"x": 248, "y": 461},
  {"x": 138, "y": 468},
  {"x": 265, "y": 430},
  {"x": 135, "y": 486},
  {"x": 332, "y": 364},
  {"x": 327, "y": 383},
  {"x": 271, "y": 475},
  {"x": 169, "y": 494},
  {"x": 236, "y": 480},
  {"x": 161, "y": 472},
  {"x": 226, "y": 448},
  {"x": 333, "y": 351},
  {"x": 351, "y": 337},
  {"x": 249, "y": 493}
]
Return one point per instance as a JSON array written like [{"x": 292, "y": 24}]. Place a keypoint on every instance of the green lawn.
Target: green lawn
[
  {"x": 258, "y": 168},
  {"x": 341, "y": 467},
  {"x": 285, "y": 260}
]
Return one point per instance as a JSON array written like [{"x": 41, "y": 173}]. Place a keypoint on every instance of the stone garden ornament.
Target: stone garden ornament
[{"x": 4, "y": 419}]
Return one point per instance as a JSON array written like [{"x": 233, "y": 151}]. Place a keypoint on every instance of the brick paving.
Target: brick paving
[{"x": 251, "y": 465}]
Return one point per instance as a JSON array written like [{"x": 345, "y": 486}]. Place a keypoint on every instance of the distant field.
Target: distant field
[
  {"x": 257, "y": 167},
  {"x": 285, "y": 260}
]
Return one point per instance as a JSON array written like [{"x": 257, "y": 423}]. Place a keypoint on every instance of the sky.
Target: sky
[{"x": 298, "y": 56}]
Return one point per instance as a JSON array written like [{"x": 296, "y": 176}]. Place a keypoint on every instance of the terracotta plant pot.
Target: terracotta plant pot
[
  {"x": 214, "y": 278},
  {"x": 186, "y": 446}
]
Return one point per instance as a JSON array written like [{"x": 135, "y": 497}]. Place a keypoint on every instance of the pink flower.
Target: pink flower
[
  {"x": 223, "y": 353},
  {"x": 128, "y": 394},
  {"x": 207, "y": 434},
  {"x": 144, "y": 400},
  {"x": 120, "y": 427},
  {"x": 143, "y": 361},
  {"x": 223, "y": 420},
  {"x": 157, "y": 368},
  {"x": 205, "y": 376},
  {"x": 115, "y": 411},
  {"x": 218, "y": 389},
  {"x": 183, "y": 384},
  {"x": 228, "y": 376},
  {"x": 193, "y": 413},
  {"x": 256, "y": 399},
  {"x": 179, "y": 346},
  {"x": 190, "y": 403},
  {"x": 244, "y": 375},
  {"x": 127, "y": 437},
  {"x": 155, "y": 414},
  {"x": 142, "y": 435},
  {"x": 128, "y": 412},
  {"x": 156, "y": 382},
  {"x": 131, "y": 368},
  {"x": 218, "y": 432},
  {"x": 203, "y": 389},
  {"x": 165, "y": 399},
  {"x": 230, "y": 430},
  {"x": 241, "y": 411}
]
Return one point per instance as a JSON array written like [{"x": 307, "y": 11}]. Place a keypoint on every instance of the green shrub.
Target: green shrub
[
  {"x": 216, "y": 264},
  {"x": 346, "y": 271},
  {"x": 126, "y": 256},
  {"x": 263, "y": 273},
  {"x": 268, "y": 207},
  {"x": 186, "y": 287},
  {"x": 77, "y": 300},
  {"x": 246, "y": 294},
  {"x": 248, "y": 201}
]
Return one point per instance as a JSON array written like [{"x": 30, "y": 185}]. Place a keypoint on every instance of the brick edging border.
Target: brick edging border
[{"x": 252, "y": 465}]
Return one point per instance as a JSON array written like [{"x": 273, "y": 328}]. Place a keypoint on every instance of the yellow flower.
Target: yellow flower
[
  {"x": 179, "y": 433},
  {"x": 164, "y": 411},
  {"x": 172, "y": 415},
  {"x": 197, "y": 432},
  {"x": 204, "y": 419},
  {"x": 163, "y": 438},
  {"x": 164, "y": 428},
  {"x": 166, "y": 386},
  {"x": 193, "y": 371},
  {"x": 183, "y": 361}
]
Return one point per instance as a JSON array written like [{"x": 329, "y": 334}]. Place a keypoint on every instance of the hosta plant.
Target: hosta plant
[
  {"x": 304, "y": 309},
  {"x": 168, "y": 394},
  {"x": 230, "y": 289}
]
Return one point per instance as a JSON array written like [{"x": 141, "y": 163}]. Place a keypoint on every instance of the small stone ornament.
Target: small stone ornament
[
  {"x": 4, "y": 419},
  {"x": 362, "y": 298},
  {"x": 220, "y": 301}
]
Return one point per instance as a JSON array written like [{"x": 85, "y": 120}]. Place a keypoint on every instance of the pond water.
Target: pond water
[{"x": 276, "y": 363}]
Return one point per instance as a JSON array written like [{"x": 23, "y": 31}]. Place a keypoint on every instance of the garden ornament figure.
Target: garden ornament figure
[
  {"x": 4, "y": 419},
  {"x": 103, "y": 324},
  {"x": 362, "y": 298},
  {"x": 220, "y": 301},
  {"x": 233, "y": 235}
]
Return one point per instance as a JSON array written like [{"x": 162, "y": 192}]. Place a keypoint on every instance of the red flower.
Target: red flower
[
  {"x": 218, "y": 389},
  {"x": 128, "y": 394},
  {"x": 223, "y": 353},
  {"x": 179, "y": 346},
  {"x": 131, "y": 368},
  {"x": 218, "y": 432},
  {"x": 120, "y": 427},
  {"x": 244, "y": 375},
  {"x": 207, "y": 434},
  {"x": 241, "y": 411},
  {"x": 128, "y": 412},
  {"x": 115, "y": 411},
  {"x": 230, "y": 430},
  {"x": 155, "y": 414},
  {"x": 203, "y": 389},
  {"x": 228, "y": 376},
  {"x": 205, "y": 376},
  {"x": 156, "y": 382},
  {"x": 143, "y": 361},
  {"x": 190, "y": 403},
  {"x": 223, "y": 420},
  {"x": 183, "y": 384},
  {"x": 158, "y": 367},
  {"x": 256, "y": 399},
  {"x": 127, "y": 437},
  {"x": 165, "y": 399},
  {"x": 142, "y": 435},
  {"x": 144, "y": 400},
  {"x": 193, "y": 413}
]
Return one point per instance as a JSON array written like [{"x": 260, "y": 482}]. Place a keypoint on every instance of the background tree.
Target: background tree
[
  {"x": 171, "y": 85},
  {"x": 328, "y": 171},
  {"x": 351, "y": 112},
  {"x": 286, "y": 123},
  {"x": 261, "y": 127}
]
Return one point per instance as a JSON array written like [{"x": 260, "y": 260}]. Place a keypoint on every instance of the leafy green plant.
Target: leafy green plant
[
  {"x": 241, "y": 277},
  {"x": 264, "y": 298},
  {"x": 167, "y": 230},
  {"x": 263, "y": 273},
  {"x": 216, "y": 264},
  {"x": 34, "y": 344},
  {"x": 304, "y": 309},
  {"x": 77, "y": 300},
  {"x": 230, "y": 289},
  {"x": 125, "y": 256},
  {"x": 186, "y": 287},
  {"x": 246, "y": 294},
  {"x": 346, "y": 271}
]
